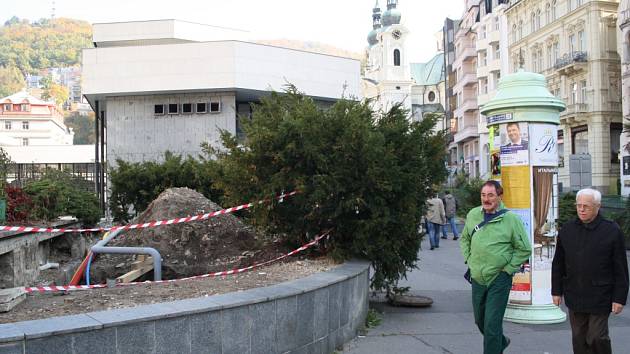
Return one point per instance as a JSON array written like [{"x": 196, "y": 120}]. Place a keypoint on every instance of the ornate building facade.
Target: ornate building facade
[
  {"x": 492, "y": 63},
  {"x": 573, "y": 43},
  {"x": 465, "y": 125},
  {"x": 390, "y": 79},
  {"x": 623, "y": 23}
]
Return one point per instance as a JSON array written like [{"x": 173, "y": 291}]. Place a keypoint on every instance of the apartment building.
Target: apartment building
[
  {"x": 573, "y": 43},
  {"x": 465, "y": 90},
  {"x": 492, "y": 63},
  {"x": 623, "y": 23},
  {"x": 26, "y": 120},
  {"x": 450, "y": 104}
]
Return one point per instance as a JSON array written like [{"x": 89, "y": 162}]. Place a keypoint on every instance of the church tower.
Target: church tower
[{"x": 387, "y": 72}]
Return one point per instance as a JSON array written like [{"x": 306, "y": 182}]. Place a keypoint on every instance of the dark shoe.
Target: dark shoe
[
  {"x": 455, "y": 238},
  {"x": 437, "y": 246},
  {"x": 432, "y": 248},
  {"x": 444, "y": 237}
]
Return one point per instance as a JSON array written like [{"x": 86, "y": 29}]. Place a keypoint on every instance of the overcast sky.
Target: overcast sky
[{"x": 342, "y": 23}]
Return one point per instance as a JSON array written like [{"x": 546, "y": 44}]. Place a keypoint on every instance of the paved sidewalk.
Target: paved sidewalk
[{"x": 448, "y": 326}]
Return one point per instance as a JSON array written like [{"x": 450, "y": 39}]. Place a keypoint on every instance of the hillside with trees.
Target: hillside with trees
[{"x": 31, "y": 47}]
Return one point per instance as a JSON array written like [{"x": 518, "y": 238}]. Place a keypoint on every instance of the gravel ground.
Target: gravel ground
[{"x": 39, "y": 306}]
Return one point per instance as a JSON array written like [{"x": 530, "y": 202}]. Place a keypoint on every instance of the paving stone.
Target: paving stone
[
  {"x": 57, "y": 344},
  {"x": 10, "y": 333},
  {"x": 263, "y": 339},
  {"x": 321, "y": 313},
  {"x": 57, "y": 325},
  {"x": 206, "y": 332},
  {"x": 235, "y": 330},
  {"x": 287, "y": 323},
  {"x": 12, "y": 348},
  {"x": 138, "y": 314},
  {"x": 173, "y": 336},
  {"x": 305, "y": 318},
  {"x": 334, "y": 306},
  {"x": 136, "y": 338},
  {"x": 101, "y": 341}
]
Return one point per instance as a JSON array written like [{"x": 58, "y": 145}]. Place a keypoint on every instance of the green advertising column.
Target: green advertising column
[{"x": 523, "y": 121}]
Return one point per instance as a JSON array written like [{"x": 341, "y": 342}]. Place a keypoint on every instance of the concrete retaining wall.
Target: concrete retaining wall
[{"x": 315, "y": 314}]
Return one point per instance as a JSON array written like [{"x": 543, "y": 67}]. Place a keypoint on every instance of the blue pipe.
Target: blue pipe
[{"x": 87, "y": 269}]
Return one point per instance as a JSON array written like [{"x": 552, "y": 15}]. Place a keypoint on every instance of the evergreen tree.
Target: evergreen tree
[{"x": 364, "y": 175}]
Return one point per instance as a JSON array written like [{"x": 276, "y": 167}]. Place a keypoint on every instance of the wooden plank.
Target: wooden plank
[{"x": 141, "y": 266}]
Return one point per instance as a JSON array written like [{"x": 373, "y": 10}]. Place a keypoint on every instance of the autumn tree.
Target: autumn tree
[
  {"x": 56, "y": 92},
  {"x": 11, "y": 81}
]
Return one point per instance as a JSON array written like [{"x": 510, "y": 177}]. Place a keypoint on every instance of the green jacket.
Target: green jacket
[{"x": 500, "y": 245}]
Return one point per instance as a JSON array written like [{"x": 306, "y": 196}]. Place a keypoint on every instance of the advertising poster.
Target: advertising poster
[
  {"x": 544, "y": 142},
  {"x": 516, "y": 191},
  {"x": 514, "y": 144},
  {"x": 495, "y": 156},
  {"x": 521, "y": 292}
]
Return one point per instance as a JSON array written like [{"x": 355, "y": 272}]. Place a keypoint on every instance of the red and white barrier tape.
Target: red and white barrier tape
[
  {"x": 147, "y": 224},
  {"x": 43, "y": 289}
]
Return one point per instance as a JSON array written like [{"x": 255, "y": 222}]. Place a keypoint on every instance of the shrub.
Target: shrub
[
  {"x": 467, "y": 192},
  {"x": 59, "y": 193},
  {"x": 566, "y": 208},
  {"x": 135, "y": 185},
  {"x": 19, "y": 204},
  {"x": 363, "y": 174}
]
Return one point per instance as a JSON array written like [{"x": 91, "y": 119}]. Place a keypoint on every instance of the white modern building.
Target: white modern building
[
  {"x": 171, "y": 85},
  {"x": 26, "y": 120}
]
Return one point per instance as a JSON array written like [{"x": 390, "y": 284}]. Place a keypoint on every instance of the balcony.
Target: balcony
[
  {"x": 464, "y": 54},
  {"x": 468, "y": 132},
  {"x": 494, "y": 37},
  {"x": 614, "y": 106},
  {"x": 467, "y": 106},
  {"x": 571, "y": 63},
  {"x": 574, "y": 109},
  {"x": 466, "y": 80}
]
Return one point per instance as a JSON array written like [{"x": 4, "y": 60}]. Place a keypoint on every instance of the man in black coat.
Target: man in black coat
[{"x": 590, "y": 271}]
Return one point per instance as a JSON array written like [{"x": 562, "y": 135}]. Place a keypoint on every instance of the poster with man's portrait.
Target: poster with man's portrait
[{"x": 514, "y": 144}]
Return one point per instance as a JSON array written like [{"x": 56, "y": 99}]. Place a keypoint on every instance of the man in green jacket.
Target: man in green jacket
[{"x": 494, "y": 252}]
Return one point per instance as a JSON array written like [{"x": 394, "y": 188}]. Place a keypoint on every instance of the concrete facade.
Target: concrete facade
[
  {"x": 316, "y": 314},
  {"x": 140, "y": 65},
  {"x": 573, "y": 43},
  {"x": 22, "y": 253}
]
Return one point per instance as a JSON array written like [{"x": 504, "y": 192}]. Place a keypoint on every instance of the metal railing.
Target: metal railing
[{"x": 570, "y": 58}]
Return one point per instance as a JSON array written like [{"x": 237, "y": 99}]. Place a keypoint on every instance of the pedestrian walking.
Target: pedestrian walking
[
  {"x": 435, "y": 217},
  {"x": 494, "y": 243},
  {"x": 590, "y": 271},
  {"x": 450, "y": 209}
]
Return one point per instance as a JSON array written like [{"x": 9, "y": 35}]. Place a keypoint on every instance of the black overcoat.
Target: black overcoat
[{"x": 590, "y": 268}]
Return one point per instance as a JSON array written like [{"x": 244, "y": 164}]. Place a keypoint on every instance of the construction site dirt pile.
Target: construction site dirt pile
[{"x": 198, "y": 247}]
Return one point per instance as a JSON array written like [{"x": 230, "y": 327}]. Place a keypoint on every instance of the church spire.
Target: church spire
[{"x": 376, "y": 16}]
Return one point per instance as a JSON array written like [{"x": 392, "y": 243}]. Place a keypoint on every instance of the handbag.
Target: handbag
[{"x": 467, "y": 275}]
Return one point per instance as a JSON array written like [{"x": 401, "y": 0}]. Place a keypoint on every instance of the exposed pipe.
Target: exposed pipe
[{"x": 100, "y": 247}]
